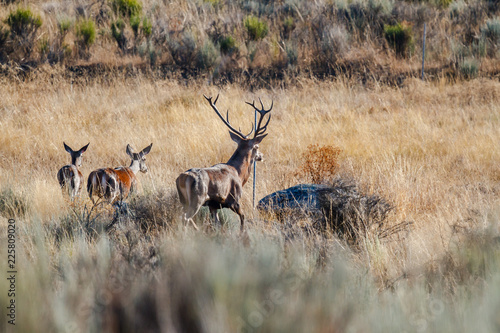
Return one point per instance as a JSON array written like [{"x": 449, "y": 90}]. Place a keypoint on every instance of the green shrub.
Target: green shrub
[
  {"x": 23, "y": 22},
  {"x": 127, "y": 7},
  {"x": 147, "y": 27},
  {"x": 86, "y": 33},
  {"x": 257, "y": 29},
  {"x": 469, "y": 68},
  {"x": 228, "y": 45},
  {"x": 118, "y": 33},
  {"x": 64, "y": 25},
  {"x": 207, "y": 55},
  {"x": 139, "y": 25},
  {"x": 444, "y": 3},
  {"x": 135, "y": 23},
  {"x": 24, "y": 25},
  {"x": 400, "y": 38}
]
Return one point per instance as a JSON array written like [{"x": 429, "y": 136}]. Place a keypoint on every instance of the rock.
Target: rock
[{"x": 339, "y": 207}]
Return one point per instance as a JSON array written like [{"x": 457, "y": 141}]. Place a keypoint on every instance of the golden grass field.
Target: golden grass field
[{"x": 429, "y": 148}]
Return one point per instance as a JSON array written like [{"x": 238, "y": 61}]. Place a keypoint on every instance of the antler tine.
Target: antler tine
[
  {"x": 262, "y": 129},
  {"x": 226, "y": 122},
  {"x": 262, "y": 112}
]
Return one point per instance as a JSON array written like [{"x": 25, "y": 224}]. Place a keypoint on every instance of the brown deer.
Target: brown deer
[
  {"x": 220, "y": 186},
  {"x": 116, "y": 184},
  {"x": 69, "y": 177}
]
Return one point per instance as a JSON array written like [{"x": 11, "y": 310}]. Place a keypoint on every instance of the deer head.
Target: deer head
[
  {"x": 245, "y": 142},
  {"x": 76, "y": 156},
  {"x": 138, "y": 159}
]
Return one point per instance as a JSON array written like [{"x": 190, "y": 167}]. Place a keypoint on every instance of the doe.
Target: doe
[
  {"x": 69, "y": 177},
  {"x": 115, "y": 184}
]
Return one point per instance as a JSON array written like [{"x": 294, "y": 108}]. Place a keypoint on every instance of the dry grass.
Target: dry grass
[{"x": 431, "y": 149}]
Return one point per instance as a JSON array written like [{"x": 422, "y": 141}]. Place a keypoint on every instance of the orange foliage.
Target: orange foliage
[{"x": 320, "y": 163}]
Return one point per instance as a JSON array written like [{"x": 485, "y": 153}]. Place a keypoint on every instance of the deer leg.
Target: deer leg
[
  {"x": 237, "y": 209},
  {"x": 191, "y": 212}
]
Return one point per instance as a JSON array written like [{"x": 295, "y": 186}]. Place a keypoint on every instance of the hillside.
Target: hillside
[{"x": 238, "y": 41}]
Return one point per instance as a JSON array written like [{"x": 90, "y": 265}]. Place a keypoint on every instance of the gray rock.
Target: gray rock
[{"x": 339, "y": 207}]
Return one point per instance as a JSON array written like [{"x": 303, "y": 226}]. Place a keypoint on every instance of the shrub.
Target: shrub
[
  {"x": 127, "y": 7},
  {"x": 337, "y": 206},
  {"x": 320, "y": 163},
  {"x": 147, "y": 27},
  {"x": 183, "y": 49},
  {"x": 23, "y": 22},
  {"x": 292, "y": 55},
  {"x": 86, "y": 32},
  {"x": 443, "y": 3},
  {"x": 334, "y": 44},
  {"x": 288, "y": 27},
  {"x": 141, "y": 25},
  {"x": 118, "y": 33},
  {"x": 156, "y": 210},
  {"x": 135, "y": 23},
  {"x": 44, "y": 46},
  {"x": 23, "y": 32},
  {"x": 207, "y": 55},
  {"x": 491, "y": 30},
  {"x": 257, "y": 29},
  {"x": 64, "y": 25},
  {"x": 228, "y": 45},
  {"x": 214, "y": 3},
  {"x": 400, "y": 38},
  {"x": 469, "y": 68}
]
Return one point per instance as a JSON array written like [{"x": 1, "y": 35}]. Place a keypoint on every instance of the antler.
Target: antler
[
  {"x": 226, "y": 121},
  {"x": 262, "y": 112}
]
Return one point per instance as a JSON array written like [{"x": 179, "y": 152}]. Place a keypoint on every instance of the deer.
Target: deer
[
  {"x": 69, "y": 177},
  {"x": 220, "y": 186},
  {"x": 115, "y": 184}
]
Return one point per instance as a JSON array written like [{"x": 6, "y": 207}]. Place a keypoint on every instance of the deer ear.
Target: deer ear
[
  {"x": 146, "y": 150},
  {"x": 235, "y": 137},
  {"x": 130, "y": 151},
  {"x": 84, "y": 148},
  {"x": 258, "y": 139},
  {"x": 68, "y": 149}
]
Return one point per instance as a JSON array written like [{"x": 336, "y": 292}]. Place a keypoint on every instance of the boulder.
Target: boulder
[{"x": 338, "y": 206}]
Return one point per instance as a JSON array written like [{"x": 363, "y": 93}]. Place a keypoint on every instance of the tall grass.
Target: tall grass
[{"x": 430, "y": 149}]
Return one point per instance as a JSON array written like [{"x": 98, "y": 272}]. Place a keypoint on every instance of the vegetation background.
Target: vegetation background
[{"x": 342, "y": 77}]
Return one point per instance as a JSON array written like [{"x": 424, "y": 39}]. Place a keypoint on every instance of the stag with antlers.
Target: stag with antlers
[{"x": 220, "y": 186}]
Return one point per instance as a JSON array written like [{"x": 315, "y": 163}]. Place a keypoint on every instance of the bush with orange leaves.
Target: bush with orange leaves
[{"x": 320, "y": 163}]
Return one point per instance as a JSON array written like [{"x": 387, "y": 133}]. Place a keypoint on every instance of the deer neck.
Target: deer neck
[
  {"x": 242, "y": 162},
  {"x": 73, "y": 162},
  {"x": 135, "y": 167}
]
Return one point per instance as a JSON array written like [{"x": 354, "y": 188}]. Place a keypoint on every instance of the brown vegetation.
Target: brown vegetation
[{"x": 428, "y": 148}]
